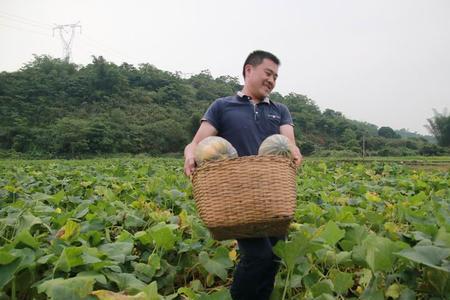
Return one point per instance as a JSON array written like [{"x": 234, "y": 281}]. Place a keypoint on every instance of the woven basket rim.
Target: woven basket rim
[{"x": 214, "y": 163}]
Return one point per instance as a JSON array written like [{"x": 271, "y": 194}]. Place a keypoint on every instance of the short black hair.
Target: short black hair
[{"x": 256, "y": 57}]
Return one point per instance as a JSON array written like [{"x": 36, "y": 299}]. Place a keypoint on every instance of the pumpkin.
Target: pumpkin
[
  {"x": 276, "y": 144},
  {"x": 213, "y": 148}
]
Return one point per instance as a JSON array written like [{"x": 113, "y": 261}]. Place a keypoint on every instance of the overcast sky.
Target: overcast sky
[{"x": 381, "y": 61}]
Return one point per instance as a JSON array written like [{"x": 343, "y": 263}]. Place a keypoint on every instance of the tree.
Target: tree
[
  {"x": 307, "y": 148},
  {"x": 388, "y": 132},
  {"x": 194, "y": 123},
  {"x": 69, "y": 136},
  {"x": 349, "y": 139},
  {"x": 439, "y": 126}
]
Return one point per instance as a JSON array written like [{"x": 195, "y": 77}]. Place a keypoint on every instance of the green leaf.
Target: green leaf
[
  {"x": 64, "y": 289},
  {"x": 27, "y": 239},
  {"x": 154, "y": 261},
  {"x": 291, "y": 251},
  {"x": 442, "y": 238},
  {"x": 418, "y": 199},
  {"x": 100, "y": 278},
  {"x": 342, "y": 281},
  {"x": 372, "y": 197},
  {"x": 189, "y": 293},
  {"x": 378, "y": 252},
  {"x": 374, "y": 218},
  {"x": 11, "y": 189},
  {"x": 393, "y": 291},
  {"x": 151, "y": 291},
  {"x": 163, "y": 236},
  {"x": 56, "y": 198},
  {"x": 331, "y": 233},
  {"x": 218, "y": 264},
  {"x": 126, "y": 282},
  {"x": 431, "y": 256},
  {"x": 6, "y": 257},
  {"x": 323, "y": 166},
  {"x": 117, "y": 251},
  {"x": 353, "y": 236},
  {"x": 107, "y": 194},
  {"x": 196, "y": 285},
  {"x": 438, "y": 281},
  {"x": 325, "y": 297},
  {"x": 322, "y": 287},
  {"x": 295, "y": 281},
  {"x": 143, "y": 271},
  {"x": 41, "y": 197},
  {"x": 223, "y": 294},
  {"x": 81, "y": 210},
  {"x": 144, "y": 237},
  {"x": 221, "y": 255},
  {"x": 212, "y": 266},
  {"x": 76, "y": 256},
  {"x": 7, "y": 272},
  {"x": 372, "y": 295},
  {"x": 407, "y": 294},
  {"x": 133, "y": 221},
  {"x": 28, "y": 220},
  {"x": 108, "y": 295},
  {"x": 70, "y": 257},
  {"x": 372, "y": 292},
  {"x": 344, "y": 258},
  {"x": 125, "y": 236},
  {"x": 311, "y": 279}
]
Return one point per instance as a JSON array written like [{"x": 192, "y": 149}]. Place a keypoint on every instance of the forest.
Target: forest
[{"x": 51, "y": 108}]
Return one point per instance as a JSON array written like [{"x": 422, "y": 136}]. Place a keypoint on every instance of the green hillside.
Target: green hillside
[{"x": 51, "y": 108}]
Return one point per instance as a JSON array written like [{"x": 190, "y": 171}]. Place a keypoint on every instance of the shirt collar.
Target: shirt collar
[{"x": 242, "y": 95}]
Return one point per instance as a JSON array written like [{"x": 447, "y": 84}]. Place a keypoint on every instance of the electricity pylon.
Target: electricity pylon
[{"x": 67, "y": 40}]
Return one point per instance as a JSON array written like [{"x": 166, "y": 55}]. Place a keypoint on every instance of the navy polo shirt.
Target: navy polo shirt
[{"x": 245, "y": 124}]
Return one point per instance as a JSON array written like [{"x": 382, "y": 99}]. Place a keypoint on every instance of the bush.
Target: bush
[
  {"x": 337, "y": 153},
  {"x": 432, "y": 150},
  {"x": 307, "y": 148},
  {"x": 397, "y": 151},
  {"x": 411, "y": 145}
]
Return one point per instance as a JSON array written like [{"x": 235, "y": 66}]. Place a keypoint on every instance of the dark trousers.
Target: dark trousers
[{"x": 255, "y": 273}]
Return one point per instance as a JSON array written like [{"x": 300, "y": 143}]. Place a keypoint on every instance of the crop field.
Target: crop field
[{"x": 128, "y": 229}]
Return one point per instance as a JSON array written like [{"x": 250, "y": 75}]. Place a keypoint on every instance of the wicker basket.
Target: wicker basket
[{"x": 250, "y": 196}]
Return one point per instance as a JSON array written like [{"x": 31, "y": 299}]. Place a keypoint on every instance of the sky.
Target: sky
[{"x": 379, "y": 61}]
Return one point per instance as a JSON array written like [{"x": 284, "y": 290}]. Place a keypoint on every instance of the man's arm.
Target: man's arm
[
  {"x": 288, "y": 131},
  {"x": 205, "y": 130}
]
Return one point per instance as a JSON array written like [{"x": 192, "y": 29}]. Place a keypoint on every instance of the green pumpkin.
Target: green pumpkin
[
  {"x": 276, "y": 144},
  {"x": 213, "y": 148}
]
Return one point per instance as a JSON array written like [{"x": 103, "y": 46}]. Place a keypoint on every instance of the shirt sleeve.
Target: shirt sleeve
[
  {"x": 286, "y": 117},
  {"x": 212, "y": 114}
]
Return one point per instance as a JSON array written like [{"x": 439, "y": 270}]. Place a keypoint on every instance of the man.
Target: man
[{"x": 245, "y": 120}]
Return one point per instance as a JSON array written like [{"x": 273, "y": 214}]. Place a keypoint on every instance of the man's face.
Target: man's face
[{"x": 260, "y": 80}]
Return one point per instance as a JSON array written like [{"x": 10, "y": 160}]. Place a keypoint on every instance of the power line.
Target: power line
[
  {"x": 104, "y": 46},
  {"x": 91, "y": 44},
  {"x": 25, "y": 29},
  {"x": 27, "y": 20},
  {"x": 8, "y": 19}
]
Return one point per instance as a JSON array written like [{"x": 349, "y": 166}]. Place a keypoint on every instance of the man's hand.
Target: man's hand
[
  {"x": 189, "y": 166},
  {"x": 205, "y": 130},
  {"x": 288, "y": 131},
  {"x": 297, "y": 156}
]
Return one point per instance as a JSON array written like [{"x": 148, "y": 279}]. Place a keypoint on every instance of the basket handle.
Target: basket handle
[{"x": 292, "y": 164}]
